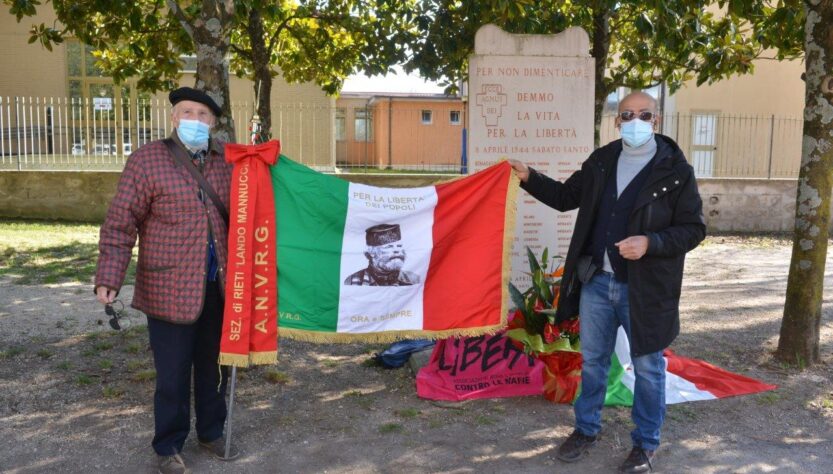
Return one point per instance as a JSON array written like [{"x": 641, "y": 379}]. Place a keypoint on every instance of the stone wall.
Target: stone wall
[
  {"x": 84, "y": 195},
  {"x": 729, "y": 205},
  {"x": 749, "y": 205}
]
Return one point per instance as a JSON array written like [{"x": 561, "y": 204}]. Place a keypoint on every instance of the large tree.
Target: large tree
[
  {"x": 800, "y": 335},
  {"x": 309, "y": 40},
  {"x": 634, "y": 43},
  {"x": 321, "y": 42}
]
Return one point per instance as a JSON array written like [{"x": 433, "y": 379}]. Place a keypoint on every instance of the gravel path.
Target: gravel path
[{"x": 76, "y": 397}]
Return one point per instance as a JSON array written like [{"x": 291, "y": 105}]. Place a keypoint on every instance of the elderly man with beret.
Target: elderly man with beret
[
  {"x": 182, "y": 235},
  {"x": 385, "y": 256}
]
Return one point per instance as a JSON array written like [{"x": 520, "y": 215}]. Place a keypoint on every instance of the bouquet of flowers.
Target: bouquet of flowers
[
  {"x": 535, "y": 329},
  {"x": 534, "y": 322}
]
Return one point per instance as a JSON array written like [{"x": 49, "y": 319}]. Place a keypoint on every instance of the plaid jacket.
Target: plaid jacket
[{"x": 158, "y": 200}]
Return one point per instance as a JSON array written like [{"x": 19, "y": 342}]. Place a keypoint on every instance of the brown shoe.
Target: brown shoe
[
  {"x": 173, "y": 464},
  {"x": 218, "y": 449}
]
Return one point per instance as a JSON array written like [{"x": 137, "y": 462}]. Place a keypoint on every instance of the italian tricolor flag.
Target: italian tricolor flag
[
  {"x": 364, "y": 263},
  {"x": 686, "y": 380}
]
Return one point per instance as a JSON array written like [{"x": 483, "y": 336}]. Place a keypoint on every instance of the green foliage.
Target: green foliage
[
  {"x": 37, "y": 252},
  {"x": 388, "y": 428},
  {"x": 407, "y": 413},
  {"x": 144, "y": 376},
  {"x": 11, "y": 352},
  {"x": 112, "y": 392},
  {"x": 44, "y": 353},
  {"x": 536, "y": 324},
  {"x": 537, "y": 303},
  {"x": 277, "y": 377},
  {"x": 83, "y": 379},
  {"x": 324, "y": 42},
  {"x": 652, "y": 41}
]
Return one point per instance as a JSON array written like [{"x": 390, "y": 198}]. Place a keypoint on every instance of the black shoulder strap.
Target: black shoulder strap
[{"x": 182, "y": 158}]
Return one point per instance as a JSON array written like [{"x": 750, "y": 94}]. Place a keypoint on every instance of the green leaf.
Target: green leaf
[
  {"x": 533, "y": 262},
  {"x": 517, "y": 297}
]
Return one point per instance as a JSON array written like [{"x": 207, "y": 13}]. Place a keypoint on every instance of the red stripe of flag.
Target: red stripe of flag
[
  {"x": 712, "y": 379},
  {"x": 464, "y": 285}
]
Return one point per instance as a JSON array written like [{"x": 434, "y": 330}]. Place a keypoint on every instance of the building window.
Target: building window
[
  {"x": 363, "y": 130},
  {"x": 427, "y": 117},
  {"x": 340, "y": 131},
  {"x": 454, "y": 117}
]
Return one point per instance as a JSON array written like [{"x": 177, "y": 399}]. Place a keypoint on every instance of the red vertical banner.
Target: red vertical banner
[{"x": 250, "y": 324}]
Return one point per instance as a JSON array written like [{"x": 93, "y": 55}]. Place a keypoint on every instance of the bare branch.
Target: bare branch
[{"x": 180, "y": 15}]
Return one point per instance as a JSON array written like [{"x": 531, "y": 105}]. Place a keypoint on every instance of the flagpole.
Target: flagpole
[
  {"x": 255, "y": 129},
  {"x": 230, "y": 410}
]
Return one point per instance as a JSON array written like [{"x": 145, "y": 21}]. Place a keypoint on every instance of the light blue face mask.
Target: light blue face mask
[
  {"x": 193, "y": 133},
  {"x": 636, "y": 132}
]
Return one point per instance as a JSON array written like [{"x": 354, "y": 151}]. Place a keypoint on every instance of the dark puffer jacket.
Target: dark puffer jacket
[{"x": 668, "y": 210}]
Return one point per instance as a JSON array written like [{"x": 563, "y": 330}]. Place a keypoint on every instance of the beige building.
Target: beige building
[
  {"x": 400, "y": 131},
  {"x": 57, "y": 105},
  {"x": 746, "y": 126}
]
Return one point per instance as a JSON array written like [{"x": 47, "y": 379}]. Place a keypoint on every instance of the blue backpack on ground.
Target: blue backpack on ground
[{"x": 398, "y": 353}]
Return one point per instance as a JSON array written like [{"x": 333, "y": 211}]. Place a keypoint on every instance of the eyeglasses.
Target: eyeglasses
[
  {"x": 629, "y": 115},
  {"x": 116, "y": 315}
]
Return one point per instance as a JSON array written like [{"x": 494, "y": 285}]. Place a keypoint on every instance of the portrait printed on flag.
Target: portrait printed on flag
[
  {"x": 385, "y": 259},
  {"x": 378, "y": 290}
]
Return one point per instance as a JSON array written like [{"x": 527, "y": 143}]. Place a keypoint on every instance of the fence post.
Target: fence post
[{"x": 771, "y": 142}]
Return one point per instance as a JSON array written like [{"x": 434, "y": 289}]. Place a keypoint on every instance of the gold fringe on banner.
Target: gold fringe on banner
[
  {"x": 262, "y": 358},
  {"x": 508, "y": 239},
  {"x": 388, "y": 336},
  {"x": 237, "y": 360}
]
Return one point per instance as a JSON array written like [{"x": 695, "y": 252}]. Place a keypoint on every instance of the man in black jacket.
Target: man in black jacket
[{"x": 639, "y": 212}]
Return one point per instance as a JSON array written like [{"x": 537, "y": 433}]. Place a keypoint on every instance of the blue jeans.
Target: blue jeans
[{"x": 604, "y": 307}]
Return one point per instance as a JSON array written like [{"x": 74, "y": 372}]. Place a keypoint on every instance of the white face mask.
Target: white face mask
[{"x": 636, "y": 132}]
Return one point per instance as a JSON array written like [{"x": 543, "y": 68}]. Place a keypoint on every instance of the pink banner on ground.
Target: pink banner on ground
[{"x": 479, "y": 367}]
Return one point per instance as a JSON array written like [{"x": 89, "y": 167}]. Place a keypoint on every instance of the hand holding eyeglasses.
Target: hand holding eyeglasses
[{"x": 117, "y": 314}]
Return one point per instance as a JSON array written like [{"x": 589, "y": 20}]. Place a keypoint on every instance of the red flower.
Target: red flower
[
  {"x": 551, "y": 333},
  {"x": 570, "y": 326}
]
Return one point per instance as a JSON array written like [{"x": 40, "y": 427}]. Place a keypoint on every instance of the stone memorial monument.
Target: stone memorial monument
[{"x": 530, "y": 97}]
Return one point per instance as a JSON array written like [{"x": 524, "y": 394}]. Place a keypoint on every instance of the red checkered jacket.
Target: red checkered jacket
[{"x": 158, "y": 200}]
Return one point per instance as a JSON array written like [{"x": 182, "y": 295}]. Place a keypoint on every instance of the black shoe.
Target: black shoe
[
  {"x": 639, "y": 460},
  {"x": 576, "y": 446}
]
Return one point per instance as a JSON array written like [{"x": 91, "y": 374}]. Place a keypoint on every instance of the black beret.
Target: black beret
[
  {"x": 382, "y": 234},
  {"x": 188, "y": 93}
]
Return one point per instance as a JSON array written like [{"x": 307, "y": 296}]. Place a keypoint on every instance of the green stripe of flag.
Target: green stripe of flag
[
  {"x": 617, "y": 392},
  {"x": 309, "y": 243}
]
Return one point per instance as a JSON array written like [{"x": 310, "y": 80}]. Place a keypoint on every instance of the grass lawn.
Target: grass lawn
[{"x": 38, "y": 252}]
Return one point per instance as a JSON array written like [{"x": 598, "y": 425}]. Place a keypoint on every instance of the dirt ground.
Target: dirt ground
[{"x": 75, "y": 396}]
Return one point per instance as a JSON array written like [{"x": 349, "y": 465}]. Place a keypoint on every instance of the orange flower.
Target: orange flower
[{"x": 557, "y": 273}]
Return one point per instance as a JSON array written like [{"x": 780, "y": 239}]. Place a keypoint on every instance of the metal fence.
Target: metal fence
[
  {"x": 81, "y": 134},
  {"x": 732, "y": 146},
  {"x": 75, "y": 134}
]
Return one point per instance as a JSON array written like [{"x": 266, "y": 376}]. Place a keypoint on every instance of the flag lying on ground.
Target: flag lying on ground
[
  {"x": 364, "y": 263},
  {"x": 492, "y": 367},
  {"x": 686, "y": 380}
]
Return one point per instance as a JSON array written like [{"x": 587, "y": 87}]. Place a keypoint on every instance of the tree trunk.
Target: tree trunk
[
  {"x": 262, "y": 73},
  {"x": 799, "y": 339},
  {"x": 211, "y": 32},
  {"x": 600, "y": 51}
]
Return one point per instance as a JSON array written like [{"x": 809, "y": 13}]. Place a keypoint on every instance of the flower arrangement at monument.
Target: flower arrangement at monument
[{"x": 535, "y": 329}]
